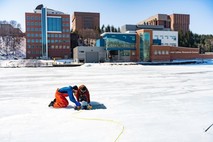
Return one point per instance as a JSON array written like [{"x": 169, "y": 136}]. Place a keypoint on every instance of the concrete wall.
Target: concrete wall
[{"x": 87, "y": 54}]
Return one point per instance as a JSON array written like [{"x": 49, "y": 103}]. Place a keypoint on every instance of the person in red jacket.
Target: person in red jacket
[{"x": 83, "y": 96}]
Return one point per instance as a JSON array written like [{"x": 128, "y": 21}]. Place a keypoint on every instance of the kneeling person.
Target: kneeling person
[
  {"x": 60, "y": 100},
  {"x": 83, "y": 96}
]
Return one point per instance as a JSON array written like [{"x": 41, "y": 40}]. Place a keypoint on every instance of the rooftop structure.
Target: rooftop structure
[{"x": 174, "y": 22}]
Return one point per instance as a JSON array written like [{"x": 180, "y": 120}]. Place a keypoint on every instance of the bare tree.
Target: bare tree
[
  {"x": 10, "y": 37},
  {"x": 88, "y": 36}
]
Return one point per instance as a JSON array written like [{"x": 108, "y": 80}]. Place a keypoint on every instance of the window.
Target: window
[
  {"x": 88, "y": 22},
  {"x": 133, "y": 53},
  {"x": 54, "y": 24},
  {"x": 163, "y": 52},
  {"x": 159, "y": 52}
]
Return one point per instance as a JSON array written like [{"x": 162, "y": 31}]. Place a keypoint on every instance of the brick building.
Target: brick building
[
  {"x": 85, "y": 20},
  {"x": 174, "y": 22},
  {"x": 47, "y": 34}
]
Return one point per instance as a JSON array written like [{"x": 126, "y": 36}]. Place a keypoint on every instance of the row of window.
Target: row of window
[
  {"x": 39, "y": 29},
  {"x": 161, "y": 52},
  {"x": 35, "y": 52},
  {"x": 50, "y": 35},
  {"x": 118, "y": 43},
  {"x": 49, "y": 41},
  {"x": 39, "y": 24},
  {"x": 59, "y": 47},
  {"x": 39, "y": 18},
  {"x": 52, "y": 46},
  {"x": 165, "y": 37},
  {"x": 169, "y": 44}
]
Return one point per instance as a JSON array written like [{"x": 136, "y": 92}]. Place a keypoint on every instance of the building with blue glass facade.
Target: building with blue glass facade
[
  {"x": 135, "y": 46},
  {"x": 118, "y": 46},
  {"x": 47, "y": 34},
  {"x": 146, "y": 45}
]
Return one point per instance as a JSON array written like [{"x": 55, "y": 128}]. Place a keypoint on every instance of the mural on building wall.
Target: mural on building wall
[{"x": 119, "y": 43}]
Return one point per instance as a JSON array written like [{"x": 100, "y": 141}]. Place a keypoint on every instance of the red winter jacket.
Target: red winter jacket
[{"x": 80, "y": 96}]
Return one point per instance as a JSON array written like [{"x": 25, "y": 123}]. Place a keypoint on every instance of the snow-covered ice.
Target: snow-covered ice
[{"x": 143, "y": 104}]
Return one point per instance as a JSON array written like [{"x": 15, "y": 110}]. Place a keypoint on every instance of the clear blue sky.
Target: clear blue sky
[{"x": 118, "y": 12}]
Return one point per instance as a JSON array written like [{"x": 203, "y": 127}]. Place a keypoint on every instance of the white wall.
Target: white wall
[{"x": 169, "y": 38}]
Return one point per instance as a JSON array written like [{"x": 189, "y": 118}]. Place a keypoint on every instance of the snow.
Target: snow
[{"x": 143, "y": 104}]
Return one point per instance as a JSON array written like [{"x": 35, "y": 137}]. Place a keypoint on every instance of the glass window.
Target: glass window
[
  {"x": 125, "y": 53},
  {"x": 159, "y": 52},
  {"x": 54, "y": 24}
]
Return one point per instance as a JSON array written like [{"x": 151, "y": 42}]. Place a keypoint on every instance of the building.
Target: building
[
  {"x": 85, "y": 20},
  {"x": 180, "y": 22},
  {"x": 88, "y": 54},
  {"x": 123, "y": 46},
  {"x": 146, "y": 45},
  {"x": 146, "y": 51},
  {"x": 118, "y": 46},
  {"x": 174, "y": 22},
  {"x": 159, "y": 19},
  {"x": 47, "y": 34}
]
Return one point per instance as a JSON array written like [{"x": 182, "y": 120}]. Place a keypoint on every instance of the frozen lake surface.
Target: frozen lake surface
[{"x": 143, "y": 104}]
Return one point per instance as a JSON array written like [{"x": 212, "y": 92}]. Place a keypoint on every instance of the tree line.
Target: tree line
[
  {"x": 109, "y": 28},
  {"x": 190, "y": 39}
]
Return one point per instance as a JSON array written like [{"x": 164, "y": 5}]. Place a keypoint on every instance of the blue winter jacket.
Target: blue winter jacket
[{"x": 69, "y": 91}]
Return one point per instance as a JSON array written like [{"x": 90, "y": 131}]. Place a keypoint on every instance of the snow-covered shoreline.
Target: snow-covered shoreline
[
  {"x": 49, "y": 63},
  {"x": 25, "y": 63}
]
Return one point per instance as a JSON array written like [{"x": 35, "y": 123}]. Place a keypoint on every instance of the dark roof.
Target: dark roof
[{"x": 40, "y": 6}]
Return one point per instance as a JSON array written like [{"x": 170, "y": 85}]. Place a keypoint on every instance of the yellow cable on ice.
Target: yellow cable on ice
[{"x": 100, "y": 119}]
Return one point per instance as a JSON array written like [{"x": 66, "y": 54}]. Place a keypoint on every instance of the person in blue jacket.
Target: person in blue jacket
[{"x": 60, "y": 100}]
